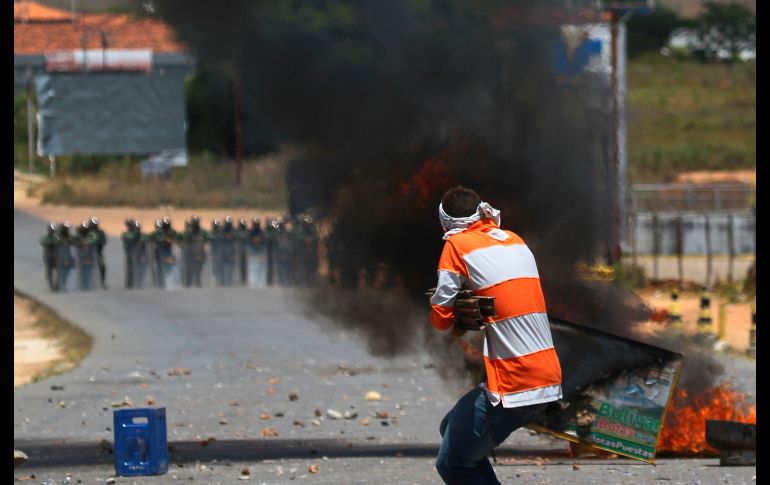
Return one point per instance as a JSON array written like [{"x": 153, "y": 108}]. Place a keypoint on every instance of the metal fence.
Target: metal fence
[
  {"x": 693, "y": 234},
  {"x": 694, "y": 231},
  {"x": 692, "y": 219},
  {"x": 697, "y": 247},
  {"x": 734, "y": 197}
]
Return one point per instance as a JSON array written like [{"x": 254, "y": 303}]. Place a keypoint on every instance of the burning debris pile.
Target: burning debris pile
[{"x": 684, "y": 432}]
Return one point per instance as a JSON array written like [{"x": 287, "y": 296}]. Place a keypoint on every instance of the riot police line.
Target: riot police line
[{"x": 282, "y": 252}]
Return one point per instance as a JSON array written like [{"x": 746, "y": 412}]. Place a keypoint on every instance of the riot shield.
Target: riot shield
[
  {"x": 257, "y": 267},
  {"x": 141, "y": 261},
  {"x": 86, "y": 267},
  {"x": 170, "y": 269}
]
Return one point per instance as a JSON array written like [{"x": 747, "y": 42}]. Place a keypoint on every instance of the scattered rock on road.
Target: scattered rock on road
[
  {"x": 19, "y": 458},
  {"x": 179, "y": 371},
  {"x": 106, "y": 446},
  {"x": 269, "y": 432}
]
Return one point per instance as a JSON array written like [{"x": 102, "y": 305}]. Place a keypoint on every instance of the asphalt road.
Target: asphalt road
[{"x": 247, "y": 351}]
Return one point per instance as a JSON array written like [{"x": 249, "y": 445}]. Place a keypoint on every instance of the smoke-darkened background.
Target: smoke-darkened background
[{"x": 397, "y": 101}]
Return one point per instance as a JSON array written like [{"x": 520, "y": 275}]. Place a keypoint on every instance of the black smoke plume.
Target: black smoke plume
[{"x": 398, "y": 101}]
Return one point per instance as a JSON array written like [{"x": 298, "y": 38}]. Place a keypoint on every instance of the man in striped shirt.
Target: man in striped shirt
[{"x": 522, "y": 369}]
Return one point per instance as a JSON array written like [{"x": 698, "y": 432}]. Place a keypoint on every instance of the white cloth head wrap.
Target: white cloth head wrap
[{"x": 456, "y": 225}]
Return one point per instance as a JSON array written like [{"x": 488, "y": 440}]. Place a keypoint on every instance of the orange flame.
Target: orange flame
[
  {"x": 432, "y": 177},
  {"x": 684, "y": 431}
]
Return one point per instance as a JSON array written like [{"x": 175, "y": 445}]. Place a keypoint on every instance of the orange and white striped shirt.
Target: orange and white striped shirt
[{"x": 521, "y": 363}]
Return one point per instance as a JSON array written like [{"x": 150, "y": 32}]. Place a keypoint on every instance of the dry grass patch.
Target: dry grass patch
[
  {"x": 44, "y": 343},
  {"x": 202, "y": 184}
]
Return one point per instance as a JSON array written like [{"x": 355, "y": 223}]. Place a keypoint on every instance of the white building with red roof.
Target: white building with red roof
[{"x": 104, "y": 83}]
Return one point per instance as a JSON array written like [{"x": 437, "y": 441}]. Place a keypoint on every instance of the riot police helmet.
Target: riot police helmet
[{"x": 94, "y": 221}]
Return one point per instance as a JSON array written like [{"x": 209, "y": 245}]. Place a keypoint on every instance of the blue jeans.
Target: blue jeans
[{"x": 471, "y": 430}]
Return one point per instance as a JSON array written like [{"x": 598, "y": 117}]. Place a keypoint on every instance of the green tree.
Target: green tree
[
  {"x": 210, "y": 111},
  {"x": 724, "y": 31},
  {"x": 20, "y": 154},
  {"x": 649, "y": 33}
]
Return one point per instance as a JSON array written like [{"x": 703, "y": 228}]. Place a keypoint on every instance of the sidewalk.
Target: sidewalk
[{"x": 734, "y": 320}]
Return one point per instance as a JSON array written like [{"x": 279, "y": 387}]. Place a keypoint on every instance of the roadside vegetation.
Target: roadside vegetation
[
  {"x": 205, "y": 183},
  {"x": 693, "y": 109},
  {"x": 74, "y": 344},
  {"x": 684, "y": 115}
]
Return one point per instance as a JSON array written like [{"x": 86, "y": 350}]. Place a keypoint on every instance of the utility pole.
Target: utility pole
[
  {"x": 237, "y": 121},
  {"x": 618, "y": 152},
  {"x": 30, "y": 125},
  {"x": 617, "y": 215},
  {"x": 617, "y": 14}
]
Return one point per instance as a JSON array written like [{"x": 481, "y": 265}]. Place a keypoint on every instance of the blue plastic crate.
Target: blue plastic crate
[{"x": 140, "y": 441}]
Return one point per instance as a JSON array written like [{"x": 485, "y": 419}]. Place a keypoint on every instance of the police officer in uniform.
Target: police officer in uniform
[
  {"x": 284, "y": 251},
  {"x": 305, "y": 250},
  {"x": 164, "y": 239},
  {"x": 130, "y": 239},
  {"x": 228, "y": 251},
  {"x": 152, "y": 253},
  {"x": 48, "y": 241},
  {"x": 270, "y": 238},
  {"x": 215, "y": 240},
  {"x": 64, "y": 260},
  {"x": 85, "y": 251},
  {"x": 242, "y": 249},
  {"x": 194, "y": 252},
  {"x": 142, "y": 258},
  {"x": 257, "y": 258},
  {"x": 100, "y": 242}
]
